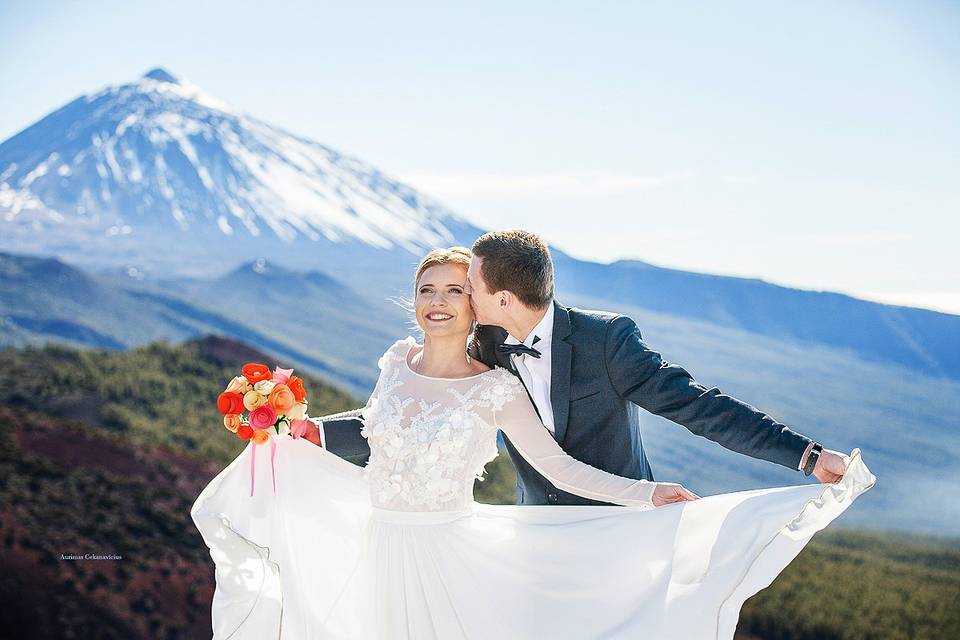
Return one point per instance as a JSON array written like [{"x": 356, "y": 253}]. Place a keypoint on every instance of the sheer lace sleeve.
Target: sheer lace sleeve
[
  {"x": 390, "y": 364},
  {"x": 517, "y": 418}
]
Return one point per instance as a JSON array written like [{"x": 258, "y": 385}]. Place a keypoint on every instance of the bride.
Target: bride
[{"x": 399, "y": 548}]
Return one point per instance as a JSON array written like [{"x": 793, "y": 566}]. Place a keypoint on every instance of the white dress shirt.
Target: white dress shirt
[{"x": 535, "y": 372}]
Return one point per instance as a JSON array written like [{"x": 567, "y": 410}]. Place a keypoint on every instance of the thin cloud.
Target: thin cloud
[
  {"x": 548, "y": 185},
  {"x": 739, "y": 179},
  {"x": 864, "y": 238}
]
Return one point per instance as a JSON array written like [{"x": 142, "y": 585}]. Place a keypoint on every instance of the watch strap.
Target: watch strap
[{"x": 812, "y": 458}]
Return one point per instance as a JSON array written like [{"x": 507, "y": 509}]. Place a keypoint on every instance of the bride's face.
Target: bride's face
[{"x": 442, "y": 305}]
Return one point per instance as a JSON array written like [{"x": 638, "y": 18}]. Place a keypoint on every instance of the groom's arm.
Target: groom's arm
[
  {"x": 342, "y": 437},
  {"x": 483, "y": 343},
  {"x": 640, "y": 374}
]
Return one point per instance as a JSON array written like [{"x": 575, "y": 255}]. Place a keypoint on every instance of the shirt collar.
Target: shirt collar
[{"x": 544, "y": 329}]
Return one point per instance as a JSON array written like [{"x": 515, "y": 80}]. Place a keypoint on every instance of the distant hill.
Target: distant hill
[
  {"x": 158, "y": 393},
  {"x": 309, "y": 318},
  {"x": 918, "y": 339}
]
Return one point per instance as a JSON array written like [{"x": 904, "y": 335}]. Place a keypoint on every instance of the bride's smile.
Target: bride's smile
[
  {"x": 443, "y": 313},
  {"x": 442, "y": 306}
]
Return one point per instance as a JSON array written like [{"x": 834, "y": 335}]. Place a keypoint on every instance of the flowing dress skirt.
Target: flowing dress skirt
[{"x": 317, "y": 560}]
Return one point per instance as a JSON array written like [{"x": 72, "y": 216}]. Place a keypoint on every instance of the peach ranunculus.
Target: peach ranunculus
[
  {"x": 232, "y": 422},
  {"x": 252, "y": 399},
  {"x": 239, "y": 385},
  {"x": 264, "y": 387},
  {"x": 281, "y": 398},
  {"x": 296, "y": 385},
  {"x": 245, "y": 432},
  {"x": 281, "y": 376},
  {"x": 263, "y": 417},
  {"x": 254, "y": 372},
  {"x": 298, "y": 412},
  {"x": 229, "y": 402},
  {"x": 261, "y": 436}
]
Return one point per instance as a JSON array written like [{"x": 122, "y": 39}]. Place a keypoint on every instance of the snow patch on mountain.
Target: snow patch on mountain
[{"x": 159, "y": 156}]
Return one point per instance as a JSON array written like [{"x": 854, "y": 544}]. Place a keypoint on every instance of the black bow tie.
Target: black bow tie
[{"x": 519, "y": 349}]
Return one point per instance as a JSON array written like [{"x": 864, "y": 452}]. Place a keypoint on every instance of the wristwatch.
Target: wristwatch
[{"x": 812, "y": 458}]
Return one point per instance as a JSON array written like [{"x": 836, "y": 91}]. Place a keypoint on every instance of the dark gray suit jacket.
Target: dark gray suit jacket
[{"x": 601, "y": 370}]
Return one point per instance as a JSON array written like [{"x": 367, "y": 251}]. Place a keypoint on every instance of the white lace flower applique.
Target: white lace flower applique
[
  {"x": 430, "y": 437},
  {"x": 502, "y": 387}
]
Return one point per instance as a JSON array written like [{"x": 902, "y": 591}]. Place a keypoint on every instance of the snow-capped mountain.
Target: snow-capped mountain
[
  {"x": 157, "y": 175},
  {"x": 157, "y": 180}
]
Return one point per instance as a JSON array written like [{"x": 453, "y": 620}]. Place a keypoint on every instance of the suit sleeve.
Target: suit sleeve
[
  {"x": 342, "y": 437},
  {"x": 641, "y": 375}
]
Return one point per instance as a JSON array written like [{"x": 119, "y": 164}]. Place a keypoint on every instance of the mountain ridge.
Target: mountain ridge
[{"x": 153, "y": 157}]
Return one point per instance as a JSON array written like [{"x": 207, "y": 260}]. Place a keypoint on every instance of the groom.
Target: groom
[{"x": 587, "y": 371}]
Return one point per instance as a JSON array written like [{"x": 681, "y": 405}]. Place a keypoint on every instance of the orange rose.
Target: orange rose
[
  {"x": 229, "y": 402},
  {"x": 254, "y": 372},
  {"x": 296, "y": 386},
  {"x": 245, "y": 432},
  {"x": 231, "y": 422},
  {"x": 281, "y": 398},
  {"x": 260, "y": 436}
]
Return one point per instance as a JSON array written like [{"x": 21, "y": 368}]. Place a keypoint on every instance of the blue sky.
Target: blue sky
[{"x": 813, "y": 144}]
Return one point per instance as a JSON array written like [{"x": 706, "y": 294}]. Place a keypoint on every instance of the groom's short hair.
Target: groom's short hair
[{"x": 517, "y": 261}]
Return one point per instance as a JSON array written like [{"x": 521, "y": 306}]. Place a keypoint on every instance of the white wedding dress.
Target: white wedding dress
[{"x": 399, "y": 549}]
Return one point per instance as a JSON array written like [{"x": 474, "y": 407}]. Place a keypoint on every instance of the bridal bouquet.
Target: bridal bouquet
[{"x": 260, "y": 406}]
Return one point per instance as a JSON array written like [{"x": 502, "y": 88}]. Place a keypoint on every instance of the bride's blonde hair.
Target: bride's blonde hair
[{"x": 453, "y": 255}]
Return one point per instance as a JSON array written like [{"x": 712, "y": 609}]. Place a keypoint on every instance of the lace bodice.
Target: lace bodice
[{"x": 431, "y": 437}]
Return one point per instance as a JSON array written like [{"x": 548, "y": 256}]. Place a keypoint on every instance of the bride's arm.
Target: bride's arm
[{"x": 519, "y": 422}]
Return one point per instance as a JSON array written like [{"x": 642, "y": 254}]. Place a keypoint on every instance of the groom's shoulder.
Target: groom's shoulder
[{"x": 596, "y": 321}]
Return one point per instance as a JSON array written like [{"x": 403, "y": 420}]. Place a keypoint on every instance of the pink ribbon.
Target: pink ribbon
[
  {"x": 253, "y": 463},
  {"x": 273, "y": 470}
]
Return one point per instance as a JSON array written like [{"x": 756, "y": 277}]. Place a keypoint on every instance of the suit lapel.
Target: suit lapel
[{"x": 560, "y": 351}]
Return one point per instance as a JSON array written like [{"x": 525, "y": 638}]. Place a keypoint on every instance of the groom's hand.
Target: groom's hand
[
  {"x": 670, "y": 492},
  {"x": 830, "y": 466}
]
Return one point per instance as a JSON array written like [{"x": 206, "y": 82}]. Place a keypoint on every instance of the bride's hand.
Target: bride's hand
[{"x": 670, "y": 492}]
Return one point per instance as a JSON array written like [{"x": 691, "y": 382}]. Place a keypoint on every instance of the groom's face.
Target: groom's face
[{"x": 484, "y": 303}]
